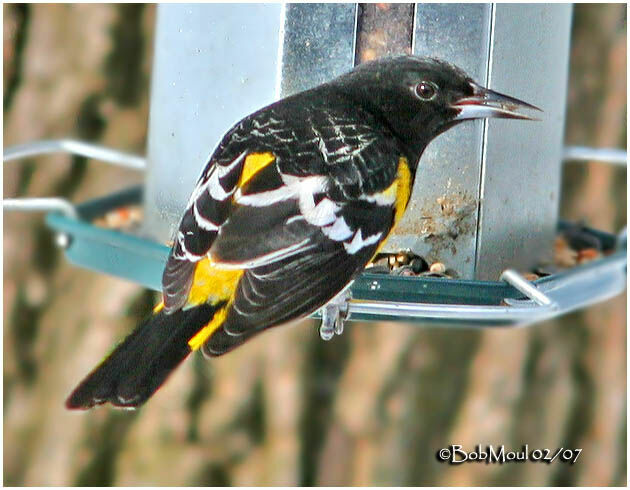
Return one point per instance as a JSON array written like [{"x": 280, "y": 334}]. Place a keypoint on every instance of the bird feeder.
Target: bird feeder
[{"x": 485, "y": 201}]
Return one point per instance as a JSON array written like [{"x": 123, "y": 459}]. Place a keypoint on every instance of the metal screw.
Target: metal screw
[{"x": 63, "y": 240}]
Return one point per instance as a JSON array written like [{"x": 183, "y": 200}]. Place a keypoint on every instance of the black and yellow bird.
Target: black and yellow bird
[{"x": 295, "y": 201}]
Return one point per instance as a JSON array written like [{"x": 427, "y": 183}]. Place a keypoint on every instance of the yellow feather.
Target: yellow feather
[
  {"x": 159, "y": 307},
  {"x": 211, "y": 285},
  {"x": 254, "y": 163},
  {"x": 204, "y": 334},
  {"x": 401, "y": 189}
]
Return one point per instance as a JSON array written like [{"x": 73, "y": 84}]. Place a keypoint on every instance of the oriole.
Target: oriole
[{"x": 294, "y": 202}]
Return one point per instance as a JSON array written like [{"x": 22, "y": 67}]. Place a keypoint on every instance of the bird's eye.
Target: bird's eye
[{"x": 426, "y": 90}]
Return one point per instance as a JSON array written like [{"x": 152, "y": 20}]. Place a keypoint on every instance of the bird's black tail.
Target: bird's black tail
[{"x": 142, "y": 362}]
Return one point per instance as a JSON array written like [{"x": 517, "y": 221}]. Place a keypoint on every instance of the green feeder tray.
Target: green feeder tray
[{"x": 377, "y": 297}]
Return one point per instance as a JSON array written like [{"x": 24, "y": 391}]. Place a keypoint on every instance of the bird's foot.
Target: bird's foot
[{"x": 334, "y": 314}]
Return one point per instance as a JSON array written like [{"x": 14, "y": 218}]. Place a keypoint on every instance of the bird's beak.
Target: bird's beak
[{"x": 486, "y": 103}]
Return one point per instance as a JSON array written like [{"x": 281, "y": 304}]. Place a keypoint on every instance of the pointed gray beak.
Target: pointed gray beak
[{"x": 486, "y": 103}]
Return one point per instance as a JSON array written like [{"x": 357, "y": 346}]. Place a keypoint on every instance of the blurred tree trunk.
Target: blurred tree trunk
[{"x": 370, "y": 407}]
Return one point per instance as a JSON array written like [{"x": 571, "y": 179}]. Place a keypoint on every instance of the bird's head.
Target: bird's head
[{"x": 423, "y": 97}]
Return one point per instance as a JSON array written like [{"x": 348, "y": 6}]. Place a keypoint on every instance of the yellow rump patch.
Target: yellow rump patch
[
  {"x": 204, "y": 334},
  {"x": 211, "y": 285},
  {"x": 254, "y": 163}
]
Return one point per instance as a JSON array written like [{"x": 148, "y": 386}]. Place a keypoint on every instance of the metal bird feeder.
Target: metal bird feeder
[{"x": 216, "y": 63}]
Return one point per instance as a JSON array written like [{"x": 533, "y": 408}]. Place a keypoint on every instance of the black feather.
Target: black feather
[
  {"x": 253, "y": 232},
  {"x": 177, "y": 280},
  {"x": 212, "y": 209},
  {"x": 143, "y": 361},
  {"x": 196, "y": 240},
  {"x": 282, "y": 292}
]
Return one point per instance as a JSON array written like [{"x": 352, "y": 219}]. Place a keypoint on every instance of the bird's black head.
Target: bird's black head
[{"x": 420, "y": 98}]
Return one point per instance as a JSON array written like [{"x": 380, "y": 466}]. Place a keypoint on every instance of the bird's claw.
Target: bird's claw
[{"x": 334, "y": 314}]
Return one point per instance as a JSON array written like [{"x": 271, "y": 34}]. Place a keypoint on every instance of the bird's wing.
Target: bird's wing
[
  {"x": 207, "y": 210},
  {"x": 297, "y": 247},
  {"x": 256, "y": 211}
]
